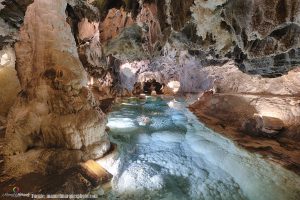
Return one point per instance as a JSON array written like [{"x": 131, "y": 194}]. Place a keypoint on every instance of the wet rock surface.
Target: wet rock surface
[{"x": 166, "y": 153}]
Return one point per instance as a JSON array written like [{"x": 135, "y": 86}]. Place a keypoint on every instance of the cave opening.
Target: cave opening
[
  {"x": 152, "y": 86},
  {"x": 115, "y": 4}
]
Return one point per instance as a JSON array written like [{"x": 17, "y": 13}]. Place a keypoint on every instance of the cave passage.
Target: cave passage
[
  {"x": 166, "y": 153},
  {"x": 152, "y": 85}
]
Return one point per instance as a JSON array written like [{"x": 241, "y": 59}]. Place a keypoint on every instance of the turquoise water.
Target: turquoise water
[{"x": 166, "y": 153}]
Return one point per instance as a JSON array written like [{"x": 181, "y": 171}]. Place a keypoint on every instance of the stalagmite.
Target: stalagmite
[{"x": 55, "y": 109}]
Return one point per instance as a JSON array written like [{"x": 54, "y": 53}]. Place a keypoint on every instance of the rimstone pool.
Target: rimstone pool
[{"x": 166, "y": 153}]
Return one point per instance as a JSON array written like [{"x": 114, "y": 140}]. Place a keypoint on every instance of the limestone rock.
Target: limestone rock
[
  {"x": 152, "y": 35},
  {"x": 127, "y": 46},
  {"x": 271, "y": 123},
  {"x": 268, "y": 34},
  {"x": 114, "y": 23},
  {"x": 9, "y": 82},
  {"x": 129, "y": 39},
  {"x": 55, "y": 108},
  {"x": 265, "y": 34},
  {"x": 84, "y": 20},
  {"x": 11, "y": 18},
  {"x": 95, "y": 172},
  {"x": 208, "y": 20},
  {"x": 178, "y": 13},
  {"x": 263, "y": 126},
  {"x": 233, "y": 101},
  {"x": 87, "y": 29}
]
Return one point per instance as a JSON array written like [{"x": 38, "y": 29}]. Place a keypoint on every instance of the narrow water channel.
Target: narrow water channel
[{"x": 166, "y": 153}]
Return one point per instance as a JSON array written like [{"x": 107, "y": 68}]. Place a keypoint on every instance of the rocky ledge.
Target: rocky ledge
[{"x": 261, "y": 119}]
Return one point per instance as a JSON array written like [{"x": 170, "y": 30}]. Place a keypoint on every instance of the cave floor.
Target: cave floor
[{"x": 166, "y": 153}]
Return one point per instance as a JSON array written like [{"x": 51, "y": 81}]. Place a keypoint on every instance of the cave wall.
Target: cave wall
[
  {"x": 55, "y": 114},
  {"x": 262, "y": 35},
  {"x": 248, "y": 49},
  {"x": 11, "y": 18},
  {"x": 257, "y": 36},
  {"x": 263, "y": 39},
  {"x": 9, "y": 83}
]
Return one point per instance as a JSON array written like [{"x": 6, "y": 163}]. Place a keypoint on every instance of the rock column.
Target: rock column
[{"x": 54, "y": 109}]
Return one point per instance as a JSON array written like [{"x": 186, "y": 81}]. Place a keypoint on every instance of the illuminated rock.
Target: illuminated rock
[
  {"x": 263, "y": 126},
  {"x": 95, "y": 172},
  {"x": 55, "y": 108},
  {"x": 9, "y": 83}
]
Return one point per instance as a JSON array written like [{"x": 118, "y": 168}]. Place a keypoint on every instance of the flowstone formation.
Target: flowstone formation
[
  {"x": 55, "y": 109},
  {"x": 262, "y": 35},
  {"x": 9, "y": 82}
]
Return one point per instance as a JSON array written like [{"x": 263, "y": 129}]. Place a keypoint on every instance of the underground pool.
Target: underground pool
[{"x": 164, "y": 152}]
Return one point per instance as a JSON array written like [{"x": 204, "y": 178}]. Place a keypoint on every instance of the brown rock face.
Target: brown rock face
[
  {"x": 11, "y": 18},
  {"x": 267, "y": 32},
  {"x": 180, "y": 13},
  {"x": 235, "y": 100},
  {"x": 54, "y": 109},
  {"x": 114, "y": 23},
  {"x": 149, "y": 22},
  {"x": 263, "y": 125},
  {"x": 262, "y": 35},
  {"x": 260, "y": 114}
]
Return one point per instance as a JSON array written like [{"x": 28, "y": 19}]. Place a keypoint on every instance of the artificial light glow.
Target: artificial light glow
[
  {"x": 175, "y": 104},
  {"x": 96, "y": 170},
  {"x": 4, "y": 59},
  {"x": 174, "y": 85},
  {"x": 268, "y": 113},
  {"x": 257, "y": 114},
  {"x": 91, "y": 81},
  {"x": 7, "y": 57}
]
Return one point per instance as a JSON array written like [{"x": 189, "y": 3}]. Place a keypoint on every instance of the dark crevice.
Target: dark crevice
[
  {"x": 73, "y": 20},
  {"x": 105, "y": 5},
  {"x": 115, "y": 4},
  {"x": 281, "y": 11},
  {"x": 152, "y": 85},
  {"x": 244, "y": 37},
  {"x": 133, "y": 6},
  {"x": 289, "y": 29},
  {"x": 236, "y": 27},
  {"x": 14, "y": 11},
  {"x": 190, "y": 31},
  {"x": 225, "y": 26},
  {"x": 180, "y": 13}
]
